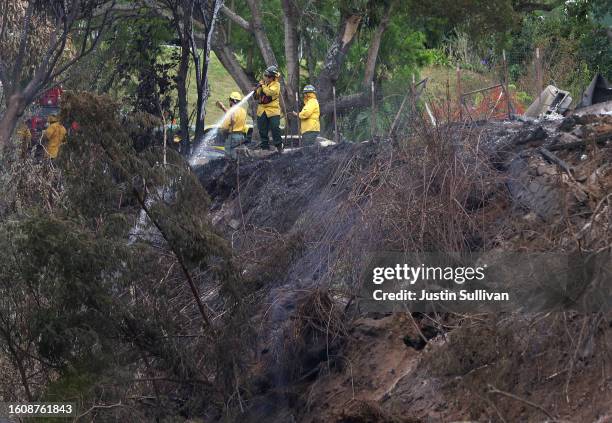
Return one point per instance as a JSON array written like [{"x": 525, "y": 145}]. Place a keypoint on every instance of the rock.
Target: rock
[
  {"x": 234, "y": 224},
  {"x": 565, "y": 138}
]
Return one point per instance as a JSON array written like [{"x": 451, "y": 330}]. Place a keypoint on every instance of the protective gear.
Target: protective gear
[
  {"x": 231, "y": 142},
  {"x": 55, "y": 135},
  {"x": 272, "y": 71},
  {"x": 309, "y": 89},
  {"x": 25, "y": 136},
  {"x": 268, "y": 96},
  {"x": 309, "y": 116},
  {"x": 235, "y": 122},
  {"x": 267, "y": 124},
  {"x": 236, "y": 96}
]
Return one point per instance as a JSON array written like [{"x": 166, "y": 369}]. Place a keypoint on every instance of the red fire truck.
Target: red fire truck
[{"x": 48, "y": 104}]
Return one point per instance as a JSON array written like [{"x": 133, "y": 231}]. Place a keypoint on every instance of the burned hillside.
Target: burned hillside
[{"x": 303, "y": 223}]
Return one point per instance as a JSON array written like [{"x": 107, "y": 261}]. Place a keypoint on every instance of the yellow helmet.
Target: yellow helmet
[{"x": 236, "y": 96}]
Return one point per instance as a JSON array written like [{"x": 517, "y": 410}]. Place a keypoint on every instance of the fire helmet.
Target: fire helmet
[
  {"x": 309, "y": 89},
  {"x": 235, "y": 95},
  {"x": 272, "y": 71}
]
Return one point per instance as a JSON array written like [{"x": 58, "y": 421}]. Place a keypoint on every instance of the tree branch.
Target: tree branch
[
  {"x": 347, "y": 102},
  {"x": 237, "y": 19},
  {"x": 228, "y": 59},
  {"x": 261, "y": 38}
]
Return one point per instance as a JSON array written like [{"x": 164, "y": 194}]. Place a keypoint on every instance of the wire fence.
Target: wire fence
[{"x": 497, "y": 86}]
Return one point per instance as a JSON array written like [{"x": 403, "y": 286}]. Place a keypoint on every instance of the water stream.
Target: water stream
[{"x": 202, "y": 149}]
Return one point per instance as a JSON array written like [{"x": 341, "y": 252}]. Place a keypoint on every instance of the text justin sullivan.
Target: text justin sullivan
[{"x": 445, "y": 295}]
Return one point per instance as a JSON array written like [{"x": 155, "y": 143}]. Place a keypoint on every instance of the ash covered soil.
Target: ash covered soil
[{"x": 303, "y": 223}]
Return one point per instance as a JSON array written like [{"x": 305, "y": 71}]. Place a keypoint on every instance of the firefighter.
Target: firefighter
[
  {"x": 309, "y": 116},
  {"x": 55, "y": 135},
  {"x": 25, "y": 137},
  {"x": 267, "y": 94},
  {"x": 234, "y": 125}
]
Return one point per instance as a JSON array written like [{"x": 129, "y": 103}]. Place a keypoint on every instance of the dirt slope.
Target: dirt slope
[{"x": 302, "y": 225}]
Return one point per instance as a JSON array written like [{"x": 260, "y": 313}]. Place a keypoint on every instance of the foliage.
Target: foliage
[
  {"x": 128, "y": 63},
  {"x": 574, "y": 46},
  {"x": 85, "y": 303}
]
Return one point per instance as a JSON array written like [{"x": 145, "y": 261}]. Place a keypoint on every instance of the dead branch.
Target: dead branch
[
  {"x": 556, "y": 160},
  {"x": 494, "y": 390}
]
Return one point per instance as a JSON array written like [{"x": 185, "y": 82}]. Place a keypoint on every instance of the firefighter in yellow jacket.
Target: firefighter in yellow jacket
[
  {"x": 25, "y": 137},
  {"x": 55, "y": 135},
  {"x": 234, "y": 125},
  {"x": 267, "y": 94},
  {"x": 309, "y": 116}
]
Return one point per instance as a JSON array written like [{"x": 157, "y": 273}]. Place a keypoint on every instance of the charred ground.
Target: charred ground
[{"x": 302, "y": 223}]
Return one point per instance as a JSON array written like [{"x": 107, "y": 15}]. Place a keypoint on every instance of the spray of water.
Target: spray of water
[{"x": 212, "y": 134}]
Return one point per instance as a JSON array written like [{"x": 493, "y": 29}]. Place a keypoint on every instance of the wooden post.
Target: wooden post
[
  {"x": 413, "y": 94},
  {"x": 449, "y": 116},
  {"x": 507, "y": 84},
  {"x": 284, "y": 111},
  {"x": 335, "y": 116},
  {"x": 297, "y": 109},
  {"x": 536, "y": 91},
  {"x": 459, "y": 93},
  {"x": 373, "y": 123},
  {"x": 539, "y": 77}
]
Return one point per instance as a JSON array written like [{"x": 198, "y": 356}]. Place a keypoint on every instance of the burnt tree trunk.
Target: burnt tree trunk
[
  {"x": 209, "y": 17},
  {"x": 182, "y": 14},
  {"x": 181, "y": 87},
  {"x": 336, "y": 54},
  {"x": 290, "y": 23}
]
